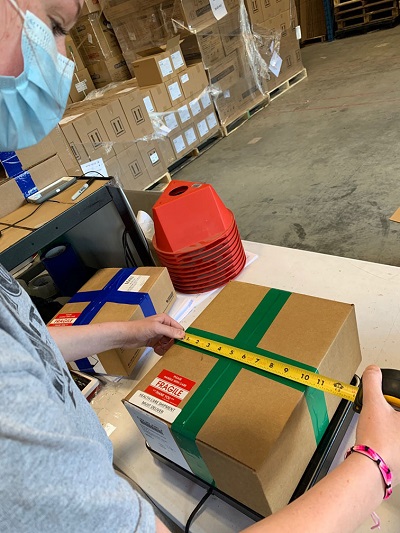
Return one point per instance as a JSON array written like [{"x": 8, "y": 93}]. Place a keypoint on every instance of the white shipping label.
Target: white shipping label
[
  {"x": 218, "y": 8},
  {"x": 170, "y": 121},
  {"x": 179, "y": 143},
  {"x": 211, "y": 120},
  {"x": 195, "y": 107},
  {"x": 177, "y": 60},
  {"x": 275, "y": 64},
  {"x": 81, "y": 86},
  {"x": 148, "y": 104},
  {"x": 174, "y": 91},
  {"x": 134, "y": 283},
  {"x": 205, "y": 100},
  {"x": 184, "y": 78},
  {"x": 94, "y": 168},
  {"x": 154, "y": 158},
  {"x": 156, "y": 406},
  {"x": 184, "y": 114},
  {"x": 109, "y": 429},
  {"x": 203, "y": 128},
  {"x": 298, "y": 33},
  {"x": 190, "y": 136},
  {"x": 90, "y": 38},
  {"x": 165, "y": 67},
  {"x": 158, "y": 435}
]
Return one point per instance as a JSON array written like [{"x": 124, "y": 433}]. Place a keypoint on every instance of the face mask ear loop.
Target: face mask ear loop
[{"x": 16, "y": 6}]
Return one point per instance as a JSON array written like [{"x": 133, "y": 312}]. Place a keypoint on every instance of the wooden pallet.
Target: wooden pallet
[
  {"x": 365, "y": 28},
  {"x": 244, "y": 116},
  {"x": 311, "y": 40},
  {"x": 368, "y": 18},
  {"x": 288, "y": 84},
  {"x": 195, "y": 153},
  {"x": 160, "y": 183}
]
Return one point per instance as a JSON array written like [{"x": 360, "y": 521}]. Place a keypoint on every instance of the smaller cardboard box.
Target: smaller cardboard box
[
  {"x": 165, "y": 147},
  {"x": 111, "y": 295},
  {"x": 153, "y": 69},
  {"x": 206, "y": 102},
  {"x": 82, "y": 85},
  {"x": 272, "y": 8},
  {"x": 136, "y": 113},
  {"x": 191, "y": 137},
  {"x": 193, "y": 80},
  {"x": 77, "y": 147},
  {"x": 231, "y": 31},
  {"x": 152, "y": 159},
  {"x": 156, "y": 98},
  {"x": 92, "y": 135},
  {"x": 115, "y": 123},
  {"x": 64, "y": 152},
  {"x": 225, "y": 74},
  {"x": 212, "y": 122},
  {"x": 34, "y": 155},
  {"x": 129, "y": 169},
  {"x": 171, "y": 121},
  {"x": 175, "y": 91},
  {"x": 195, "y": 106},
  {"x": 179, "y": 144},
  {"x": 202, "y": 129},
  {"x": 254, "y": 9},
  {"x": 210, "y": 45},
  {"x": 73, "y": 53},
  {"x": 184, "y": 115},
  {"x": 104, "y": 72}
]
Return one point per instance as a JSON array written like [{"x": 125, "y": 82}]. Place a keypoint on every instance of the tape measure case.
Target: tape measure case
[{"x": 250, "y": 433}]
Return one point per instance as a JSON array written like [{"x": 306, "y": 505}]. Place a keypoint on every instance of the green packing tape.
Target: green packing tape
[{"x": 212, "y": 389}]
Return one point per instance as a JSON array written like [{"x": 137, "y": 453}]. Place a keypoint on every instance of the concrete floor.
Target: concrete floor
[{"x": 325, "y": 174}]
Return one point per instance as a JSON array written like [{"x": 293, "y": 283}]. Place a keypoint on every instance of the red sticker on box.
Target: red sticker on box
[
  {"x": 64, "y": 319},
  {"x": 170, "y": 387}
]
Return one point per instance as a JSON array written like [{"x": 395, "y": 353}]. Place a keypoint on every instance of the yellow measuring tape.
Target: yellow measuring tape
[{"x": 291, "y": 372}]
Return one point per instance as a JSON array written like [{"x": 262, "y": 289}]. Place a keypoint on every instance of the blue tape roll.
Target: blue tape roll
[{"x": 66, "y": 268}]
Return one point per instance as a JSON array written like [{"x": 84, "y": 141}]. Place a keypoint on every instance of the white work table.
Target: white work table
[{"x": 375, "y": 291}]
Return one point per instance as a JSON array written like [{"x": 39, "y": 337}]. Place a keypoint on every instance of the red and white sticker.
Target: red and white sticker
[{"x": 64, "y": 319}]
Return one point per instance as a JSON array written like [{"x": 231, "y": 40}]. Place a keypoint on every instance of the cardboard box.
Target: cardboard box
[
  {"x": 136, "y": 113},
  {"x": 171, "y": 121},
  {"x": 206, "y": 102},
  {"x": 225, "y": 74},
  {"x": 167, "y": 151},
  {"x": 179, "y": 144},
  {"x": 183, "y": 114},
  {"x": 129, "y": 168},
  {"x": 254, "y": 10},
  {"x": 210, "y": 46},
  {"x": 64, "y": 152},
  {"x": 90, "y": 6},
  {"x": 117, "y": 127},
  {"x": 149, "y": 291},
  {"x": 175, "y": 91},
  {"x": 152, "y": 159},
  {"x": 30, "y": 157},
  {"x": 197, "y": 13},
  {"x": 48, "y": 171},
  {"x": 272, "y": 8},
  {"x": 77, "y": 146},
  {"x": 106, "y": 71},
  {"x": 153, "y": 69},
  {"x": 92, "y": 135},
  {"x": 206, "y": 125},
  {"x": 73, "y": 53},
  {"x": 258, "y": 432},
  {"x": 226, "y": 105},
  {"x": 195, "y": 106},
  {"x": 156, "y": 98},
  {"x": 231, "y": 31},
  {"x": 11, "y": 198},
  {"x": 193, "y": 80},
  {"x": 191, "y": 136},
  {"x": 82, "y": 85},
  {"x": 212, "y": 122}
]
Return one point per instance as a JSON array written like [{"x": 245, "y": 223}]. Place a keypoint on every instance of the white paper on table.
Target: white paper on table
[{"x": 94, "y": 168}]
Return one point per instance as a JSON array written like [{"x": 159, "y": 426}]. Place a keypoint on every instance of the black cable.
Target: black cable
[{"x": 197, "y": 508}]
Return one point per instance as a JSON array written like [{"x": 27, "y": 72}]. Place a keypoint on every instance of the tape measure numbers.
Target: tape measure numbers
[{"x": 291, "y": 372}]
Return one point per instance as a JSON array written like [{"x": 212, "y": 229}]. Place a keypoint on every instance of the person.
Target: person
[{"x": 55, "y": 458}]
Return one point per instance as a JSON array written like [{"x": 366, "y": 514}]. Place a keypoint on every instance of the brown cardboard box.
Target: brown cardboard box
[
  {"x": 227, "y": 105},
  {"x": 77, "y": 146},
  {"x": 206, "y": 102},
  {"x": 156, "y": 98},
  {"x": 92, "y": 135},
  {"x": 106, "y": 71},
  {"x": 136, "y": 113},
  {"x": 115, "y": 123},
  {"x": 152, "y": 159},
  {"x": 193, "y": 80},
  {"x": 11, "y": 197},
  {"x": 210, "y": 45},
  {"x": 82, "y": 85},
  {"x": 70, "y": 155},
  {"x": 202, "y": 129},
  {"x": 175, "y": 91},
  {"x": 165, "y": 147},
  {"x": 258, "y": 432},
  {"x": 272, "y": 8},
  {"x": 184, "y": 115},
  {"x": 48, "y": 171},
  {"x": 179, "y": 144},
  {"x": 254, "y": 9},
  {"x": 212, "y": 122},
  {"x": 171, "y": 121},
  {"x": 153, "y": 281},
  {"x": 73, "y": 53},
  {"x": 225, "y": 74},
  {"x": 129, "y": 168},
  {"x": 195, "y": 106},
  {"x": 191, "y": 136},
  {"x": 231, "y": 32},
  {"x": 198, "y": 14},
  {"x": 30, "y": 157}
]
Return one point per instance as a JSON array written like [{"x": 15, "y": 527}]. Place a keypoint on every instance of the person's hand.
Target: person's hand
[
  {"x": 379, "y": 423},
  {"x": 158, "y": 332}
]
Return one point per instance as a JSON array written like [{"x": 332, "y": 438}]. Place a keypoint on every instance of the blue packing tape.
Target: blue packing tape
[
  {"x": 12, "y": 165},
  {"x": 26, "y": 184}
]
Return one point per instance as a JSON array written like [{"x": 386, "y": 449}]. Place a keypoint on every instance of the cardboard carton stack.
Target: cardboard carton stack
[
  {"x": 116, "y": 127},
  {"x": 98, "y": 48},
  {"x": 82, "y": 83}
]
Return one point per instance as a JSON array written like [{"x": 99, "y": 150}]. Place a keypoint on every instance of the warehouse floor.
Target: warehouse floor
[{"x": 319, "y": 169}]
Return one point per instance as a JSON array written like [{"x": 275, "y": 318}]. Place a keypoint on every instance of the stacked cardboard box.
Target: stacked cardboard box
[
  {"x": 116, "y": 127},
  {"x": 98, "y": 48},
  {"x": 82, "y": 83}
]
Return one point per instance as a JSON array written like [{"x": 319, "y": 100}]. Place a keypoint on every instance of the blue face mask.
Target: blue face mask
[{"x": 32, "y": 104}]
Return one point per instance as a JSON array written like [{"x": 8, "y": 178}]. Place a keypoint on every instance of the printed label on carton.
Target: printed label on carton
[
  {"x": 203, "y": 128},
  {"x": 195, "y": 107},
  {"x": 174, "y": 91},
  {"x": 158, "y": 436},
  {"x": 184, "y": 114},
  {"x": 190, "y": 136},
  {"x": 64, "y": 319},
  {"x": 218, "y": 8},
  {"x": 170, "y": 121},
  {"x": 154, "y": 157},
  {"x": 211, "y": 120},
  {"x": 205, "y": 100},
  {"x": 81, "y": 86},
  {"x": 184, "y": 78},
  {"x": 177, "y": 60},
  {"x": 170, "y": 387},
  {"x": 165, "y": 67},
  {"x": 134, "y": 283},
  {"x": 148, "y": 104},
  {"x": 179, "y": 144}
]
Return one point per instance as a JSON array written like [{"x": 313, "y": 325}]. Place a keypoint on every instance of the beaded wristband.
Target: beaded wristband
[{"x": 383, "y": 467}]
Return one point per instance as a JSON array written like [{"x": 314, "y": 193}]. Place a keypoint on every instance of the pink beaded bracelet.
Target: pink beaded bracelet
[{"x": 383, "y": 467}]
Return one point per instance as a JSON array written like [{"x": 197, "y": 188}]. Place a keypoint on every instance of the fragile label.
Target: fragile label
[
  {"x": 174, "y": 91},
  {"x": 64, "y": 319},
  {"x": 190, "y": 136},
  {"x": 203, "y": 128},
  {"x": 134, "y": 283},
  {"x": 177, "y": 60},
  {"x": 195, "y": 107},
  {"x": 170, "y": 121},
  {"x": 170, "y": 387},
  {"x": 211, "y": 120},
  {"x": 184, "y": 113},
  {"x": 205, "y": 100},
  {"x": 218, "y": 8},
  {"x": 184, "y": 78},
  {"x": 81, "y": 86},
  {"x": 165, "y": 67},
  {"x": 179, "y": 144},
  {"x": 148, "y": 104}
]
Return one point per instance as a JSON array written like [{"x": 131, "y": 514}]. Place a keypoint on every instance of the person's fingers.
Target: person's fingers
[
  {"x": 372, "y": 386},
  {"x": 170, "y": 331},
  {"x": 167, "y": 320}
]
